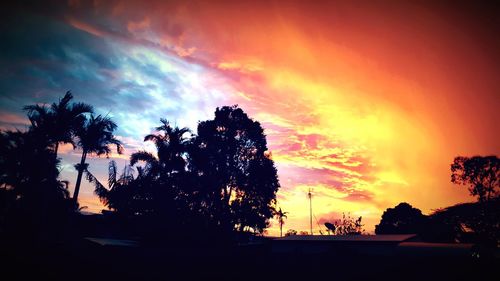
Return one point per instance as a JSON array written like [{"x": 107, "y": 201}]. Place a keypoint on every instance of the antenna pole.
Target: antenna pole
[{"x": 310, "y": 211}]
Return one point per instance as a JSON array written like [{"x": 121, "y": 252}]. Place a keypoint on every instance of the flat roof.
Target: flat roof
[{"x": 350, "y": 238}]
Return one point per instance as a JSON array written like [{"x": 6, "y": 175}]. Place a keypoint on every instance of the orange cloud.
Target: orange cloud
[
  {"x": 87, "y": 27},
  {"x": 366, "y": 104},
  {"x": 11, "y": 121}
]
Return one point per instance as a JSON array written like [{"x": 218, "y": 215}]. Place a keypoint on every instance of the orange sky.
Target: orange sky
[
  {"x": 372, "y": 101},
  {"x": 365, "y": 102}
]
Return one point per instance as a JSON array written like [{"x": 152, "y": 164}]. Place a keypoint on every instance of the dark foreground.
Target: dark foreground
[{"x": 86, "y": 260}]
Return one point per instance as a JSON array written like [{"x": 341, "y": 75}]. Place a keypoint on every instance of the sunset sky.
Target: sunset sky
[{"x": 365, "y": 102}]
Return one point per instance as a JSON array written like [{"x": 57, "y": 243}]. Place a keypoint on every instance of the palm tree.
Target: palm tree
[
  {"x": 68, "y": 118},
  {"x": 59, "y": 122},
  {"x": 163, "y": 178},
  {"x": 41, "y": 122},
  {"x": 20, "y": 171},
  {"x": 281, "y": 219},
  {"x": 117, "y": 195},
  {"x": 171, "y": 147},
  {"x": 32, "y": 199},
  {"x": 94, "y": 137}
]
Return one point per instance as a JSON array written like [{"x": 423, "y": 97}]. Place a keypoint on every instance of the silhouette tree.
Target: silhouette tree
[
  {"x": 402, "y": 219},
  {"x": 34, "y": 198},
  {"x": 239, "y": 179},
  {"x": 346, "y": 226},
  {"x": 171, "y": 144},
  {"x": 223, "y": 178},
  {"x": 118, "y": 194},
  {"x": 291, "y": 232},
  {"x": 59, "y": 122},
  {"x": 19, "y": 165},
  {"x": 281, "y": 216},
  {"x": 164, "y": 177},
  {"x": 41, "y": 120},
  {"x": 159, "y": 197},
  {"x": 482, "y": 174},
  {"x": 94, "y": 137},
  {"x": 482, "y": 218}
]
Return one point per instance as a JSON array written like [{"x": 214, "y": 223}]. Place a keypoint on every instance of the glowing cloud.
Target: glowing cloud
[{"x": 365, "y": 105}]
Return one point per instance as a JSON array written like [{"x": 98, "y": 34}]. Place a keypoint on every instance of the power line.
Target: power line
[{"x": 317, "y": 222}]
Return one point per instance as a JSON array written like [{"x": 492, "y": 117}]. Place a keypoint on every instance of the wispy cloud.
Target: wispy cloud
[{"x": 363, "y": 106}]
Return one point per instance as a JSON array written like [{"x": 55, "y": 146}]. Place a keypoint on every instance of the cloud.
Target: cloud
[
  {"x": 330, "y": 217},
  {"x": 364, "y": 104}
]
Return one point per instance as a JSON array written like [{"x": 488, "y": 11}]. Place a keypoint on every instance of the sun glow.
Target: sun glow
[{"x": 365, "y": 105}]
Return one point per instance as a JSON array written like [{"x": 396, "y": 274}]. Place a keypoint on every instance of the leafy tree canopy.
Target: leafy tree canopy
[
  {"x": 59, "y": 121},
  {"x": 479, "y": 219},
  {"x": 223, "y": 175},
  {"x": 402, "y": 219},
  {"x": 481, "y": 174},
  {"x": 32, "y": 199},
  {"x": 233, "y": 162}
]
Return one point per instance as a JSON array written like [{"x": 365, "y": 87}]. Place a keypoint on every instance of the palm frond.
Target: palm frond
[
  {"x": 63, "y": 102},
  {"x": 80, "y": 108},
  {"x": 165, "y": 125},
  {"x": 112, "y": 174},
  {"x": 118, "y": 144},
  {"x": 99, "y": 189},
  {"x": 36, "y": 108},
  {"x": 97, "y": 134},
  {"x": 142, "y": 156},
  {"x": 37, "y": 114},
  {"x": 127, "y": 175},
  {"x": 154, "y": 138}
]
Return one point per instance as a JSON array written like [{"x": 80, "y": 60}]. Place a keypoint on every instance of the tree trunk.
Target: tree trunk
[
  {"x": 227, "y": 195},
  {"x": 79, "y": 178},
  {"x": 56, "y": 149},
  {"x": 281, "y": 229}
]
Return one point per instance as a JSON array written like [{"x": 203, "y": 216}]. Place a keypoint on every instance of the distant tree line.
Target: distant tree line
[{"x": 477, "y": 222}]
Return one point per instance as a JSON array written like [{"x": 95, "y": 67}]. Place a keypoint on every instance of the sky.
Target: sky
[{"x": 366, "y": 103}]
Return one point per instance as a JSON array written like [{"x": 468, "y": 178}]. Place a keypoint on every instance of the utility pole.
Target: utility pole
[{"x": 310, "y": 211}]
